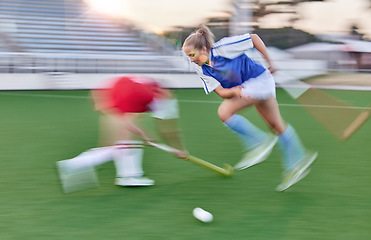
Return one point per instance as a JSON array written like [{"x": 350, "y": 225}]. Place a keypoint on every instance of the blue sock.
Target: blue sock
[
  {"x": 249, "y": 134},
  {"x": 291, "y": 146}
]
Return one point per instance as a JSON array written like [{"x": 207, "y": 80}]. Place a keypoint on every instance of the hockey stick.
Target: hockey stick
[
  {"x": 338, "y": 117},
  {"x": 226, "y": 171}
]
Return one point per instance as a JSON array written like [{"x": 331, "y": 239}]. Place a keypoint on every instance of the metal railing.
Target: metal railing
[
  {"x": 136, "y": 62},
  {"x": 11, "y": 62}
]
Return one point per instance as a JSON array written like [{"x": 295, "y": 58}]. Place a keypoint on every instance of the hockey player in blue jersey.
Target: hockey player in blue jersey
[{"x": 225, "y": 69}]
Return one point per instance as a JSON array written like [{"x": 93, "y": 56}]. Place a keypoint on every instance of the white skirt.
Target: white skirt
[{"x": 262, "y": 87}]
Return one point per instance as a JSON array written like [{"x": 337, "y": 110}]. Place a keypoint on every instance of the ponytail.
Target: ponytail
[{"x": 202, "y": 37}]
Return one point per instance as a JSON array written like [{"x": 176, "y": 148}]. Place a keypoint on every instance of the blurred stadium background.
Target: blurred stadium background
[{"x": 72, "y": 44}]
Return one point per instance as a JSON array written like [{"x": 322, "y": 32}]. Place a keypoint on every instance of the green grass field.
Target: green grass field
[{"x": 39, "y": 128}]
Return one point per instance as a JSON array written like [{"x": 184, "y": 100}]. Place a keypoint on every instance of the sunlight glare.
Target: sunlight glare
[{"x": 114, "y": 8}]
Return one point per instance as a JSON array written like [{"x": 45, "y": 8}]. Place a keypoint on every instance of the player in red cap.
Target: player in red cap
[{"x": 121, "y": 102}]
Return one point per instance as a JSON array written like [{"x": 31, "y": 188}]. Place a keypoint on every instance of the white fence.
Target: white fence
[
  {"x": 66, "y": 71},
  {"x": 12, "y": 62}
]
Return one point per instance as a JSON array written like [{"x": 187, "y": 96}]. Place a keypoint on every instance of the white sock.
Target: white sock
[
  {"x": 91, "y": 158},
  {"x": 128, "y": 158}
]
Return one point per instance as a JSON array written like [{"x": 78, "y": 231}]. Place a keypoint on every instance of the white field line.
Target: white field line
[
  {"x": 41, "y": 95},
  {"x": 180, "y": 100},
  {"x": 285, "y": 104}
]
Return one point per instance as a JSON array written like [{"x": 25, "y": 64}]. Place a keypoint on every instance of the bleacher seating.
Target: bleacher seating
[{"x": 68, "y": 31}]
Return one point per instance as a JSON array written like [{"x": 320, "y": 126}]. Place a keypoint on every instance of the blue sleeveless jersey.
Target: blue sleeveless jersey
[{"x": 230, "y": 65}]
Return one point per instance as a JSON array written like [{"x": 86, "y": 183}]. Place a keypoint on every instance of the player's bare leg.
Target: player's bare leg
[
  {"x": 297, "y": 159},
  {"x": 258, "y": 143},
  {"x": 270, "y": 112}
]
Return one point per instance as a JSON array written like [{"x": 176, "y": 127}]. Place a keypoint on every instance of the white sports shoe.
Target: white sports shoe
[
  {"x": 134, "y": 181},
  {"x": 258, "y": 154},
  {"x": 76, "y": 180},
  {"x": 298, "y": 172}
]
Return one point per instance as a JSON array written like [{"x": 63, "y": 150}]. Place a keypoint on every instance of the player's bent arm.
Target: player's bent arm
[
  {"x": 228, "y": 92},
  {"x": 132, "y": 127},
  {"x": 260, "y": 46},
  {"x": 165, "y": 112}
]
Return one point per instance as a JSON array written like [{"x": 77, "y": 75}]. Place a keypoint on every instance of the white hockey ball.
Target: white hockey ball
[{"x": 202, "y": 215}]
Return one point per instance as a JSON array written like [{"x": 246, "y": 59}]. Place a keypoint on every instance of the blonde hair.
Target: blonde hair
[{"x": 202, "y": 37}]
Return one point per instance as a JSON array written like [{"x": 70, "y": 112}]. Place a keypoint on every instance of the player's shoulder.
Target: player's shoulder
[
  {"x": 198, "y": 69},
  {"x": 232, "y": 40},
  {"x": 203, "y": 71}
]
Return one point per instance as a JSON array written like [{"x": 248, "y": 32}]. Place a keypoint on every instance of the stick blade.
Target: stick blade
[
  {"x": 356, "y": 124},
  {"x": 229, "y": 170}
]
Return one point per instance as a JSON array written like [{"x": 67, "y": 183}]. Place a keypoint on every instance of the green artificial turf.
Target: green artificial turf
[{"x": 39, "y": 128}]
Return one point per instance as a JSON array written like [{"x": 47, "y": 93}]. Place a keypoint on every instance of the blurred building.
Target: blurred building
[
  {"x": 340, "y": 52},
  {"x": 241, "y": 18}
]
